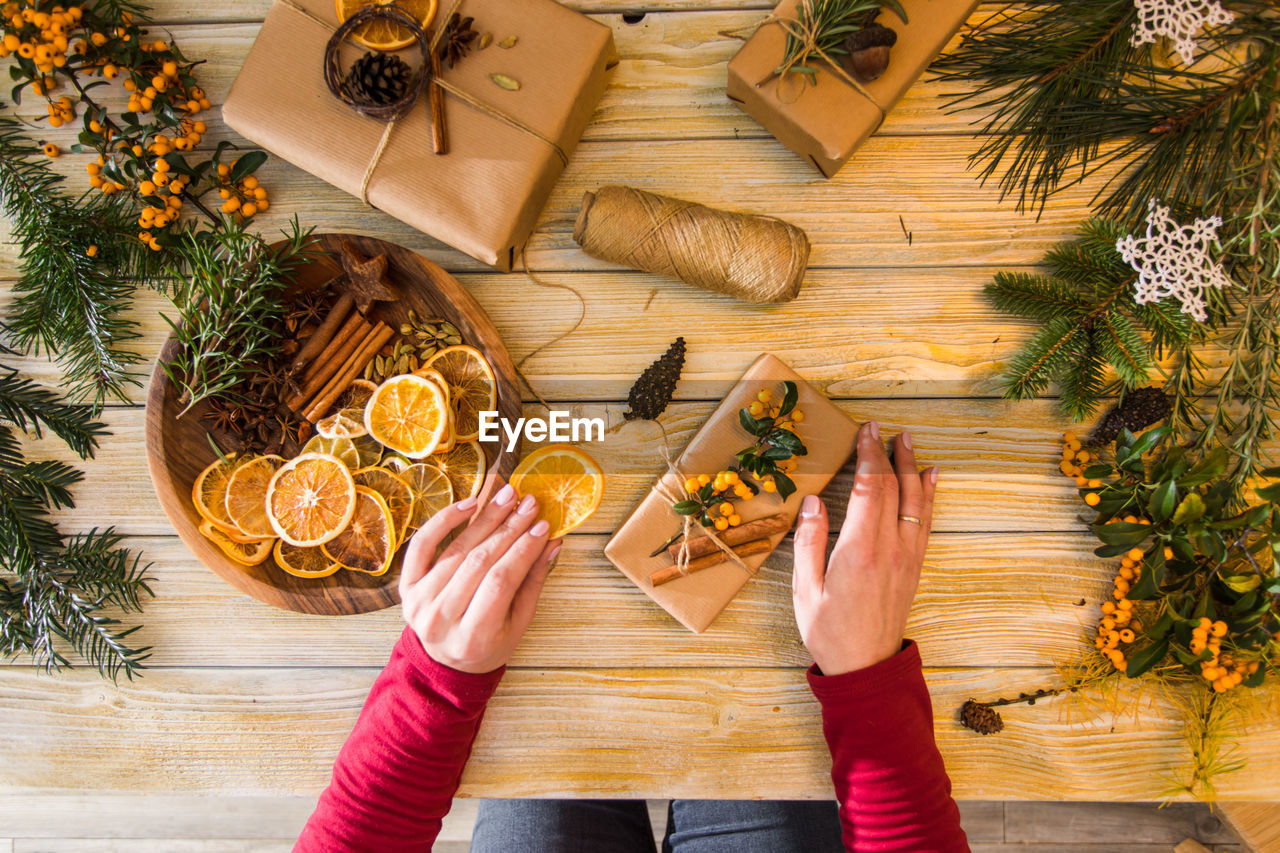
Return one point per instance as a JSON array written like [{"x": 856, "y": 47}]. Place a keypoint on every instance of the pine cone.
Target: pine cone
[
  {"x": 980, "y": 717},
  {"x": 652, "y": 392},
  {"x": 377, "y": 79},
  {"x": 1140, "y": 408}
]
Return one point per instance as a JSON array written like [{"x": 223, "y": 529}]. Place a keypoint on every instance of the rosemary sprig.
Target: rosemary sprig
[{"x": 231, "y": 307}]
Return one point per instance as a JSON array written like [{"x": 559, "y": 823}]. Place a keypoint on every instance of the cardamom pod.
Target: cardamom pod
[
  {"x": 485, "y": 41},
  {"x": 406, "y": 329},
  {"x": 504, "y": 81},
  {"x": 368, "y": 372},
  {"x": 508, "y": 42}
]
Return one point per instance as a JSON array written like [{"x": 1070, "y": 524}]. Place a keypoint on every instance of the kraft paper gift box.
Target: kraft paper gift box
[
  {"x": 826, "y": 120},
  {"x": 485, "y": 195},
  {"x": 696, "y": 599}
]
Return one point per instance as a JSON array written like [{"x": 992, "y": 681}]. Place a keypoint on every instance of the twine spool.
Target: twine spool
[{"x": 758, "y": 259}]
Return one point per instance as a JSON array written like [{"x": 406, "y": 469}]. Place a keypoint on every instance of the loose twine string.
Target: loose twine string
[
  {"x": 682, "y": 556},
  {"x": 466, "y": 97}
]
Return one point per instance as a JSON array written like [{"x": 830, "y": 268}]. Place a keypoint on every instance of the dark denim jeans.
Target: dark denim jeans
[{"x": 622, "y": 826}]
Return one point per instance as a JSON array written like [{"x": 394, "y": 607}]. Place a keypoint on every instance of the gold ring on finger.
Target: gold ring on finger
[{"x": 910, "y": 518}]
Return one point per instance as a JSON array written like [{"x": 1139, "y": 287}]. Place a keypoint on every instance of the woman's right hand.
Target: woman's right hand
[
  {"x": 852, "y": 609},
  {"x": 471, "y": 604}
]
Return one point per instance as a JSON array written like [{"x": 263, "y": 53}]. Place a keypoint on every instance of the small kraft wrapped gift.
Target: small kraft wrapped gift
[
  {"x": 515, "y": 110},
  {"x": 687, "y": 567},
  {"x": 823, "y": 103}
]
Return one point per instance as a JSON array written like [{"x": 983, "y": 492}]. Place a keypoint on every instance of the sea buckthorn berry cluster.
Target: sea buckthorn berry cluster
[
  {"x": 1117, "y": 627},
  {"x": 245, "y": 196},
  {"x": 1222, "y": 670},
  {"x": 40, "y": 39},
  {"x": 1075, "y": 458},
  {"x": 711, "y": 498}
]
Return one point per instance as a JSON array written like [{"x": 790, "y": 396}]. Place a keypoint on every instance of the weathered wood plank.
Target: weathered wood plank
[
  {"x": 979, "y": 605},
  {"x": 1049, "y": 823},
  {"x": 172, "y": 845},
  {"x": 999, "y": 464},
  {"x": 852, "y": 220},
  {"x": 982, "y": 820},
  {"x": 249, "y": 732}
]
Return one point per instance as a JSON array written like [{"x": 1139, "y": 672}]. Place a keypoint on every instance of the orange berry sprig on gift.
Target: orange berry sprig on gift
[
  {"x": 768, "y": 462},
  {"x": 141, "y": 153}
]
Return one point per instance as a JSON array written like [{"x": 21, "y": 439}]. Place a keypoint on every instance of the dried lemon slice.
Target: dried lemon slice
[
  {"x": 345, "y": 423},
  {"x": 246, "y": 500},
  {"x": 472, "y": 388},
  {"x": 341, "y": 448},
  {"x": 303, "y": 562},
  {"x": 407, "y": 414},
  {"x": 431, "y": 491},
  {"x": 311, "y": 499},
  {"x": 368, "y": 543},
  {"x": 464, "y": 466},
  {"x": 566, "y": 481}
]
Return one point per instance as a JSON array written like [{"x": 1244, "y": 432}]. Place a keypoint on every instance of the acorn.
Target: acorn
[{"x": 867, "y": 51}]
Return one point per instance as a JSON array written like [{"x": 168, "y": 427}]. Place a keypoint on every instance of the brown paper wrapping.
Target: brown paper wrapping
[
  {"x": 696, "y": 599},
  {"x": 482, "y": 198},
  {"x": 825, "y": 121}
]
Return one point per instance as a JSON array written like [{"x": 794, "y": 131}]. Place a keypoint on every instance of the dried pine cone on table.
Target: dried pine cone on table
[
  {"x": 1139, "y": 409},
  {"x": 980, "y": 717},
  {"x": 652, "y": 392}
]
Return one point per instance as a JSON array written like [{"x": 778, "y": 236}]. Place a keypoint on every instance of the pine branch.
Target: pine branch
[
  {"x": 1124, "y": 349},
  {"x": 1050, "y": 351},
  {"x": 1034, "y": 297},
  {"x": 29, "y": 407}
]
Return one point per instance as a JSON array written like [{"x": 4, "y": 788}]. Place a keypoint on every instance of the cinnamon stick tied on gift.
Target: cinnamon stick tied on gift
[
  {"x": 745, "y": 549},
  {"x": 761, "y": 528}
]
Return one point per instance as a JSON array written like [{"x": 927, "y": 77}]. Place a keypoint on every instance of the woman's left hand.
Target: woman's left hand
[{"x": 471, "y": 604}]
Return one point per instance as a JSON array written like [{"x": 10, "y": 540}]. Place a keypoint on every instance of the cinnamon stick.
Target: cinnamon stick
[
  {"x": 350, "y": 369},
  {"x": 330, "y": 359},
  {"x": 746, "y": 549},
  {"x": 761, "y": 528},
  {"x": 439, "y": 132},
  {"x": 323, "y": 335}
]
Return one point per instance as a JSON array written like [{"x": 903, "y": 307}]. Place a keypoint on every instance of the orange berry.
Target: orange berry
[
  {"x": 1136, "y": 554},
  {"x": 92, "y": 251},
  {"x": 51, "y": 150},
  {"x": 1092, "y": 499}
]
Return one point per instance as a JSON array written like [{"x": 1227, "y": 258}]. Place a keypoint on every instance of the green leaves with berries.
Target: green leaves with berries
[
  {"x": 1203, "y": 555},
  {"x": 775, "y": 442}
]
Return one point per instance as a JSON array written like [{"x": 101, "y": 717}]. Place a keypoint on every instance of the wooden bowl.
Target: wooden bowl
[{"x": 178, "y": 448}]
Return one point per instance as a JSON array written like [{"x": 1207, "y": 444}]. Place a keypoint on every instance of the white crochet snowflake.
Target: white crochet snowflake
[
  {"x": 1173, "y": 260},
  {"x": 1180, "y": 20}
]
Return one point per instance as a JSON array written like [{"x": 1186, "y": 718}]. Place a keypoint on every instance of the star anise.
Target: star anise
[
  {"x": 458, "y": 39},
  {"x": 224, "y": 416},
  {"x": 270, "y": 383},
  {"x": 310, "y": 307}
]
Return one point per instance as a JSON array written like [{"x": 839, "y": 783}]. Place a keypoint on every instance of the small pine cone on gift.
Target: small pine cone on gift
[
  {"x": 1140, "y": 408},
  {"x": 652, "y": 392},
  {"x": 377, "y": 79},
  {"x": 980, "y": 717}
]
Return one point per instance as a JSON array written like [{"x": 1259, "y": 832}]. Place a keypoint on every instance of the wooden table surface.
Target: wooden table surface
[{"x": 608, "y": 696}]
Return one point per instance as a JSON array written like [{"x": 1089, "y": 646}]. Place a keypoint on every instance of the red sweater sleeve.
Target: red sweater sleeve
[
  {"x": 395, "y": 777},
  {"x": 893, "y": 790}
]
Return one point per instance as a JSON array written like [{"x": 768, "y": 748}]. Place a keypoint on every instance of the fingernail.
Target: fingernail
[
  {"x": 540, "y": 529},
  {"x": 555, "y": 552},
  {"x": 465, "y": 505},
  {"x": 528, "y": 505},
  {"x": 505, "y": 495},
  {"x": 906, "y": 440},
  {"x": 933, "y": 474},
  {"x": 811, "y": 507},
  {"x": 873, "y": 429}
]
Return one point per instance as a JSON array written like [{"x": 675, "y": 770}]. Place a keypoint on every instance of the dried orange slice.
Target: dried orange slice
[
  {"x": 431, "y": 491},
  {"x": 310, "y": 500},
  {"x": 464, "y": 466},
  {"x": 394, "y": 491},
  {"x": 303, "y": 562},
  {"x": 386, "y": 35},
  {"x": 368, "y": 543},
  {"x": 472, "y": 388},
  {"x": 246, "y": 498},
  {"x": 450, "y": 437},
  {"x": 345, "y": 423},
  {"x": 341, "y": 448},
  {"x": 407, "y": 414},
  {"x": 566, "y": 481},
  {"x": 244, "y": 553},
  {"x": 209, "y": 493}
]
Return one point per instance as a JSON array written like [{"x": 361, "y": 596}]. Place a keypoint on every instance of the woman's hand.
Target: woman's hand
[
  {"x": 852, "y": 610},
  {"x": 471, "y": 604}
]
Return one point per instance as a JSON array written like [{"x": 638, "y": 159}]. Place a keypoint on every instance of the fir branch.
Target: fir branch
[{"x": 30, "y": 407}]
